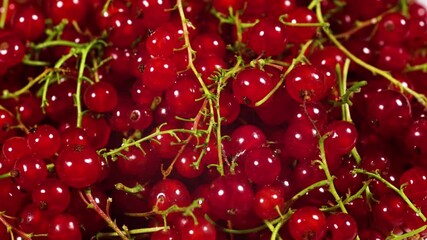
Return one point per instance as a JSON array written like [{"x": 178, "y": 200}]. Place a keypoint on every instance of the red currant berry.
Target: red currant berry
[
  {"x": 262, "y": 166},
  {"x": 44, "y": 141},
  {"x": 306, "y": 83},
  {"x": 159, "y": 74},
  {"x": 300, "y": 34},
  {"x": 29, "y": 171},
  {"x": 64, "y": 227},
  {"x": 167, "y": 193},
  {"x": 342, "y": 226},
  {"x": 78, "y": 166},
  {"x": 230, "y": 197},
  {"x": 389, "y": 112},
  {"x": 51, "y": 196},
  {"x": 307, "y": 223},
  {"x": 267, "y": 38},
  {"x": 268, "y": 200},
  {"x": 100, "y": 97},
  {"x": 251, "y": 85},
  {"x": 29, "y": 22},
  {"x": 200, "y": 230}
]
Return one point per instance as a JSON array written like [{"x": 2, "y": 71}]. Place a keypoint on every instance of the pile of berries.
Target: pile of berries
[{"x": 213, "y": 119}]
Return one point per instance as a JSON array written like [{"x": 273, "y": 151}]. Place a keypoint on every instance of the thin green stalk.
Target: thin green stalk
[
  {"x": 329, "y": 177},
  {"x": 345, "y": 106},
  {"x": 126, "y": 144},
  {"x": 420, "y": 97},
  {"x": 131, "y": 232},
  {"x": 3, "y": 15},
  {"x": 395, "y": 189},
  {"x": 295, "y": 61},
  {"x": 54, "y": 43},
  {"x": 408, "y": 235}
]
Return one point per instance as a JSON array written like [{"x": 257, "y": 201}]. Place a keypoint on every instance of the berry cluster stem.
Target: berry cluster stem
[
  {"x": 345, "y": 106},
  {"x": 3, "y": 15},
  {"x": 104, "y": 215},
  {"x": 420, "y": 97},
  {"x": 295, "y": 61},
  {"x": 395, "y": 189},
  {"x": 11, "y": 229},
  {"x": 206, "y": 91}
]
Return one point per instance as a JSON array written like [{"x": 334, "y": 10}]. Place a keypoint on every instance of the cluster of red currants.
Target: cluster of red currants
[{"x": 213, "y": 119}]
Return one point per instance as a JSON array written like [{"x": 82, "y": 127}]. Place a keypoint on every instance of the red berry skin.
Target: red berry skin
[
  {"x": 6, "y": 121},
  {"x": 30, "y": 171},
  {"x": 13, "y": 149},
  {"x": 222, "y": 6},
  {"x": 267, "y": 201},
  {"x": 152, "y": 13},
  {"x": 416, "y": 138},
  {"x": 64, "y": 227},
  {"x": 231, "y": 196},
  {"x": 415, "y": 182},
  {"x": 29, "y": 22},
  {"x": 306, "y": 83},
  {"x": 71, "y": 10},
  {"x": 100, "y": 97},
  {"x": 262, "y": 166},
  {"x": 51, "y": 196},
  {"x": 301, "y": 140},
  {"x": 167, "y": 193},
  {"x": 342, "y": 226},
  {"x": 267, "y": 38},
  {"x": 300, "y": 34},
  {"x": 251, "y": 85},
  {"x": 44, "y": 141},
  {"x": 123, "y": 30},
  {"x": 138, "y": 161},
  {"x": 342, "y": 137},
  {"x": 389, "y": 113},
  {"x": 78, "y": 166},
  {"x": 183, "y": 97},
  {"x": 202, "y": 230},
  {"x": 159, "y": 74},
  {"x": 307, "y": 223},
  {"x": 33, "y": 220},
  {"x": 11, "y": 197},
  {"x": 245, "y": 138},
  {"x": 12, "y": 50}
]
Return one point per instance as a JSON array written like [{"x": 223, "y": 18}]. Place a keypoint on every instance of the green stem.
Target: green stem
[
  {"x": 420, "y": 97},
  {"x": 77, "y": 97},
  {"x": 404, "y": 7},
  {"x": 6, "y": 175},
  {"x": 349, "y": 199},
  {"x": 295, "y": 61},
  {"x": 240, "y": 231},
  {"x": 284, "y": 218},
  {"x": 207, "y": 93},
  {"x": 329, "y": 177},
  {"x": 408, "y": 234},
  {"x": 126, "y": 144},
  {"x": 345, "y": 106},
  {"x": 395, "y": 189},
  {"x": 26, "y": 88},
  {"x": 419, "y": 67},
  {"x": 104, "y": 215},
  {"x": 3, "y": 16},
  {"x": 133, "y": 190},
  {"x": 36, "y": 63},
  {"x": 54, "y": 43},
  {"x": 131, "y": 232}
]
